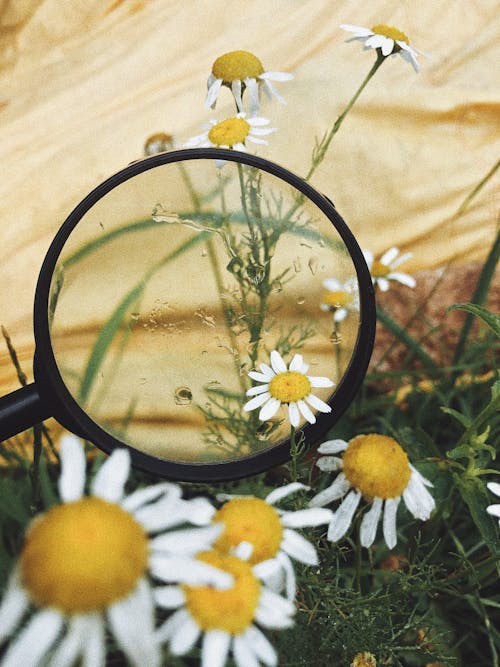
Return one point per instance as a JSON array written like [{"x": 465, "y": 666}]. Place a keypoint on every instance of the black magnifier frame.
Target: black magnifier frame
[{"x": 48, "y": 396}]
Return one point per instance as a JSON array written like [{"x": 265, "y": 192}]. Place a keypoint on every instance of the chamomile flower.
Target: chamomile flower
[
  {"x": 232, "y": 133},
  {"x": 84, "y": 565},
  {"x": 265, "y": 534},
  {"x": 388, "y": 40},
  {"x": 224, "y": 618},
  {"x": 240, "y": 71},
  {"x": 494, "y": 510},
  {"x": 376, "y": 468},
  {"x": 289, "y": 386},
  {"x": 382, "y": 270},
  {"x": 340, "y": 298}
]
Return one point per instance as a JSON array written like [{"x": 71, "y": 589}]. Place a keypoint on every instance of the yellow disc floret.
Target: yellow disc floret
[
  {"x": 231, "y": 610},
  {"x": 336, "y": 299},
  {"x": 390, "y": 32},
  {"x": 229, "y": 132},
  {"x": 380, "y": 270},
  {"x": 290, "y": 386},
  {"x": 82, "y": 556},
  {"x": 237, "y": 66},
  {"x": 377, "y": 466},
  {"x": 250, "y": 520}
]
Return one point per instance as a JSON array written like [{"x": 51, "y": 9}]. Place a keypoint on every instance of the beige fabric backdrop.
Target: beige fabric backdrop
[{"x": 84, "y": 82}]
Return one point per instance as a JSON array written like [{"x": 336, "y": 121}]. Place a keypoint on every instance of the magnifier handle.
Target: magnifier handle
[{"x": 20, "y": 410}]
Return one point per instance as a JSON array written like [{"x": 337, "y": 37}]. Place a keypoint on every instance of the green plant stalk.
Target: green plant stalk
[
  {"x": 405, "y": 338},
  {"x": 464, "y": 205}
]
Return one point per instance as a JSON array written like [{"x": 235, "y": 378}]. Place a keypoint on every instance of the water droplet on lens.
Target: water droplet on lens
[
  {"x": 313, "y": 265},
  {"x": 135, "y": 316},
  {"x": 183, "y": 396},
  {"x": 203, "y": 253},
  {"x": 297, "y": 265},
  {"x": 276, "y": 286},
  {"x": 301, "y": 300},
  {"x": 335, "y": 337}
]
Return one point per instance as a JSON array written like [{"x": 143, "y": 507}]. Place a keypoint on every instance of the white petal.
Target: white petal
[
  {"x": 236, "y": 90},
  {"x": 237, "y": 147},
  {"x": 314, "y": 516},
  {"x": 14, "y": 605},
  {"x": 212, "y": 93},
  {"x": 257, "y": 401},
  {"x": 277, "y": 362},
  {"x": 198, "y": 511},
  {"x": 410, "y": 56},
  {"x": 417, "y": 499},
  {"x": 320, "y": 382},
  {"x": 389, "y": 256},
  {"x": 185, "y": 638},
  {"x": 369, "y": 257},
  {"x": 187, "y": 540},
  {"x": 339, "y": 487},
  {"x": 258, "y": 121},
  {"x": 387, "y": 46},
  {"x": 494, "y": 487},
  {"x": 356, "y": 29},
  {"x": 271, "y": 91},
  {"x": 340, "y": 314},
  {"x": 306, "y": 412},
  {"x": 162, "y": 514},
  {"x": 401, "y": 259},
  {"x": 332, "y": 446},
  {"x": 383, "y": 283},
  {"x": 402, "y": 278},
  {"x": 169, "y": 597},
  {"x": 94, "y": 649},
  {"x": 343, "y": 516},
  {"x": 296, "y": 363},
  {"x": 276, "y": 76},
  {"x": 172, "y": 625},
  {"x": 146, "y": 495},
  {"x": 73, "y": 643},
  {"x": 332, "y": 284},
  {"x": 284, "y": 491},
  {"x": 269, "y": 409},
  {"x": 72, "y": 479},
  {"x": 261, "y": 377},
  {"x": 274, "y": 611},
  {"x": 369, "y": 523},
  {"x": 258, "y": 389},
  {"x": 243, "y": 551},
  {"x": 110, "y": 479},
  {"x": 253, "y": 95},
  {"x": 33, "y": 642},
  {"x": 318, "y": 404},
  {"x": 215, "y": 648},
  {"x": 298, "y": 547},
  {"x": 198, "y": 140},
  {"x": 329, "y": 463},
  {"x": 267, "y": 371},
  {"x": 423, "y": 479},
  {"x": 189, "y": 571},
  {"x": 262, "y": 647},
  {"x": 375, "y": 41},
  {"x": 288, "y": 581},
  {"x": 276, "y": 602},
  {"x": 294, "y": 415},
  {"x": 243, "y": 653},
  {"x": 389, "y": 521},
  {"x": 253, "y": 140},
  {"x": 494, "y": 510},
  {"x": 132, "y": 623}
]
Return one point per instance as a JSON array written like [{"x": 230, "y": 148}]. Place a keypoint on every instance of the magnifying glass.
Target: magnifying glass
[{"x": 170, "y": 283}]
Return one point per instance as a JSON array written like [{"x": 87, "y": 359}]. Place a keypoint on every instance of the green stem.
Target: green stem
[
  {"x": 294, "y": 454},
  {"x": 321, "y": 149},
  {"x": 463, "y": 206}
]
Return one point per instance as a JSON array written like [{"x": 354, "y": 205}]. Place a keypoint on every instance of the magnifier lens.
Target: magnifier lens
[{"x": 180, "y": 280}]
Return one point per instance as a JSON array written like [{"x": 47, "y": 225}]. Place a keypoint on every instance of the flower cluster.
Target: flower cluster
[{"x": 242, "y": 72}]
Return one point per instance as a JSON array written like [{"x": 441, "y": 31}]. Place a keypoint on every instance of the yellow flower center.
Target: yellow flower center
[
  {"x": 377, "y": 466},
  {"x": 250, "y": 520},
  {"x": 237, "y": 65},
  {"x": 337, "y": 299},
  {"x": 229, "y": 132},
  {"x": 364, "y": 659},
  {"x": 83, "y": 556},
  {"x": 380, "y": 270},
  {"x": 232, "y": 609},
  {"x": 390, "y": 32},
  {"x": 289, "y": 386}
]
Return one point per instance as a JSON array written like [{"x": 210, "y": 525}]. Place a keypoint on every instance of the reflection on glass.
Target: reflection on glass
[{"x": 181, "y": 280}]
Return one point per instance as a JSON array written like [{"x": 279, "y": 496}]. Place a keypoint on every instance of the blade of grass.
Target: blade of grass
[{"x": 402, "y": 335}]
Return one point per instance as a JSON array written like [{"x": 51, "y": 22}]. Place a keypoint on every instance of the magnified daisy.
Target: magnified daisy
[
  {"x": 232, "y": 133},
  {"x": 382, "y": 270},
  {"x": 389, "y": 41},
  {"x": 340, "y": 298},
  {"x": 240, "y": 71},
  {"x": 265, "y": 534},
  {"x": 286, "y": 385},
  {"x": 84, "y": 565},
  {"x": 376, "y": 468},
  {"x": 494, "y": 510},
  {"x": 226, "y": 619}
]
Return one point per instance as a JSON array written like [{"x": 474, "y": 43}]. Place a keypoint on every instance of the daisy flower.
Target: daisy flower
[
  {"x": 340, "y": 298},
  {"x": 232, "y": 133},
  {"x": 290, "y": 386},
  {"x": 382, "y": 270},
  {"x": 84, "y": 566},
  {"x": 376, "y": 468},
  {"x": 494, "y": 510},
  {"x": 264, "y": 534},
  {"x": 388, "y": 40},
  {"x": 224, "y": 618},
  {"x": 240, "y": 71}
]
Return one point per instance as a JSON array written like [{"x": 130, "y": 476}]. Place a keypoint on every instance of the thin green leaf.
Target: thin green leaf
[
  {"x": 462, "y": 419},
  {"x": 405, "y": 338},
  {"x": 492, "y": 320}
]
